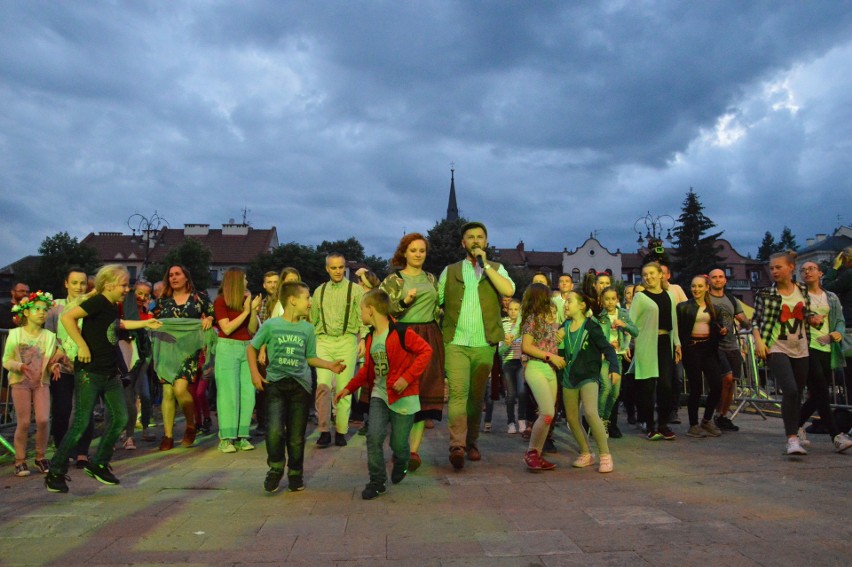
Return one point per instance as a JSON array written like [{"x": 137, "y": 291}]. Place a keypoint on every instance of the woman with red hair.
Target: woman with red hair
[{"x": 414, "y": 302}]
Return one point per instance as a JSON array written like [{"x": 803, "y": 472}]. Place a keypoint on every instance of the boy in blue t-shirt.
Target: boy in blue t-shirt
[
  {"x": 290, "y": 349},
  {"x": 395, "y": 360}
]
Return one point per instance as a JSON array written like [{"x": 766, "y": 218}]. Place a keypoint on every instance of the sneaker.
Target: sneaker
[
  {"x": 457, "y": 457},
  {"x": 794, "y": 447},
  {"x": 102, "y": 474},
  {"x": 414, "y": 462},
  {"x": 295, "y": 484},
  {"x": 206, "y": 426},
  {"x": 653, "y": 435},
  {"x": 43, "y": 465},
  {"x": 340, "y": 439},
  {"x": 81, "y": 463},
  {"x": 710, "y": 429},
  {"x": 273, "y": 480},
  {"x": 227, "y": 446},
  {"x": 614, "y": 432},
  {"x": 673, "y": 418},
  {"x": 667, "y": 433},
  {"x": 605, "y": 465},
  {"x": 56, "y": 482},
  {"x": 167, "y": 443},
  {"x": 363, "y": 430},
  {"x": 725, "y": 424},
  {"x": 21, "y": 469},
  {"x": 522, "y": 426},
  {"x": 549, "y": 446},
  {"x": 696, "y": 431},
  {"x": 532, "y": 460},
  {"x": 584, "y": 460},
  {"x": 397, "y": 475},
  {"x": 512, "y": 429},
  {"x": 842, "y": 442},
  {"x": 244, "y": 445},
  {"x": 324, "y": 440},
  {"x": 803, "y": 438},
  {"x": 545, "y": 464},
  {"x": 373, "y": 491},
  {"x": 487, "y": 427},
  {"x": 129, "y": 444}
]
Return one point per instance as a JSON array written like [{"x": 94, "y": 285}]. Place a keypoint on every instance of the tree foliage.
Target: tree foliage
[
  {"x": 445, "y": 245},
  {"x": 307, "y": 259},
  {"x": 192, "y": 254},
  {"x": 58, "y": 253},
  {"x": 697, "y": 252},
  {"x": 351, "y": 249},
  {"x": 787, "y": 240},
  {"x": 767, "y": 247}
]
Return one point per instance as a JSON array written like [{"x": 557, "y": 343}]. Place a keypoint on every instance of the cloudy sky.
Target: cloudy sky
[{"x": 333, "y": 119}]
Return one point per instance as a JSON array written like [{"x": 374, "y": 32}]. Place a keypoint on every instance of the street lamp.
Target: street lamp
[
  {"x": 148, "y": 228},
  {"x": 654, "y": 226}
]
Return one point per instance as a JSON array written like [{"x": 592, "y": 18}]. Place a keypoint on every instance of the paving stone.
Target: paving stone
[
  {"x": 629, "y": 515},
  {"x": 538, "y": 542}
]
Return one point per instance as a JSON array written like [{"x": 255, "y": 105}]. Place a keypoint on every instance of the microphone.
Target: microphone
[{"x": 478, "y": 258}]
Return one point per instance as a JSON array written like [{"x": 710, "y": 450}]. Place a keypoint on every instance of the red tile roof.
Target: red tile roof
[{"x": 227, "y": 249}]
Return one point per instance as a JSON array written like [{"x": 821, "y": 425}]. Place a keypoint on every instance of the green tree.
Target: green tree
[
  {"x": 307, "y": 259},
  {"x": 696, "y": 251},
  {"x": 351, "y": 249},
  {"x": 378, "y": 266},
  {"x": 787, "y": 240},
  {"x": 444, "y": 245},
  {"x": 192, "y": 254},
  {"x": 58, "y": 253},
  {"x": 767, "y": 247}
]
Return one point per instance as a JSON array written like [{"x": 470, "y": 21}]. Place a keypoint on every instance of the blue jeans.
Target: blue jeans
[
  {"x": 87, "y": 388},
  {"x": 380, "y": 415},
  {"x": 513, "y": 375},
  {"x": 287, "y": 407}
]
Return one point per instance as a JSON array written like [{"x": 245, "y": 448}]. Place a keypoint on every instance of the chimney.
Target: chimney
[
  {"x": 820, "y": 237},
  {"x": 520, "y": 246},
  {"x": 810, "y": 241}
]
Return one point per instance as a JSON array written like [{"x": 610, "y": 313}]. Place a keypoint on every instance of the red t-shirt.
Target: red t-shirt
[{"x": 222, "y": 311}]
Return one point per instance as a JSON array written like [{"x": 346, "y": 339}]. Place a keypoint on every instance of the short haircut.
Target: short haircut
[
  {"x": 74, "y": 270},
  {"x": 290, "y": 289},
  {"x": 332, "y": 255},
  {"x": 270, "y": 274},
  {"x": 143, "y": 283},
  {"x": 377, "y": 299},
  {"x": 545, "y": 276}
]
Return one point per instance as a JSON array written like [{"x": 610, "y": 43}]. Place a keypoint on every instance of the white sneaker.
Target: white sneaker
[
  {"x": 794, "y": 447},
  {"x": 842, "y": 442},
  {"x": 522, "y": 425},
  {"x": 511, "y": 430},
  {"x": 803, "y": 438}
]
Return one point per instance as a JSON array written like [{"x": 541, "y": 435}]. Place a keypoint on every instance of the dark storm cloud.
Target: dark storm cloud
[{"x": 337, "y": 119}]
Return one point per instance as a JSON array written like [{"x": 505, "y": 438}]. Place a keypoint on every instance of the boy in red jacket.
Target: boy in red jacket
[{"x": 395, "y": 359}]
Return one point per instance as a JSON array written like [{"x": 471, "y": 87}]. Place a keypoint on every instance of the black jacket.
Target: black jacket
[{"x": 687, "y": 312}]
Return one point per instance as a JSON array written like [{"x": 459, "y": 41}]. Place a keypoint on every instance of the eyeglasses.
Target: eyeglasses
[{"x": 809, "y": 269}]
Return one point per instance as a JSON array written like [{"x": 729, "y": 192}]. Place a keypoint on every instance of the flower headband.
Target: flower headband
[{"x": 32, "y": 299}]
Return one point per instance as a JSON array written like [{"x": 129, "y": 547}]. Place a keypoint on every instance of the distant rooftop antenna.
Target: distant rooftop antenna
[{"x": 245, "y": 212}]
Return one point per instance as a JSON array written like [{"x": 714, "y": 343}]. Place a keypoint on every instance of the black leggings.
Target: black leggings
[
  {"x": 790, "y": 374},
  {"x": 698, "y": 358},
  {"x": 819, "y": 370},
  {"x": 660, "y": 388}
]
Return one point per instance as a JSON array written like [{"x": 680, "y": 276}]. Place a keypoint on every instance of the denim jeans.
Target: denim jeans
[
  {"x": 87, "y": 388},
  {"x": 287, "y": 407},
  {"x": 138, "y": 385},
  {"x": 380, "y": 415},
  {"x": 513, "y": 376}
]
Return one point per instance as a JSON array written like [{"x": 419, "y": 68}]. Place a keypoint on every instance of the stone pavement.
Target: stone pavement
[{"x": 732, "y": 501}]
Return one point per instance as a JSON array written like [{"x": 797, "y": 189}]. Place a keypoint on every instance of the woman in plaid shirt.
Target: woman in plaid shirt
[{"x": 782, "y": 317}]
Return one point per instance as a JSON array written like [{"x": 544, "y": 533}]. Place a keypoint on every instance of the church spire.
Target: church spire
[{"x": 452, "y": 206}]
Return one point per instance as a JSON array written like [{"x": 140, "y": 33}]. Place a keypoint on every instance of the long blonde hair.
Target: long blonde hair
[{"x": 234, "y": 288}]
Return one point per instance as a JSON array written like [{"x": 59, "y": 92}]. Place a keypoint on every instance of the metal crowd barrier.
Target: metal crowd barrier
[{"x": 6, "y": 415}]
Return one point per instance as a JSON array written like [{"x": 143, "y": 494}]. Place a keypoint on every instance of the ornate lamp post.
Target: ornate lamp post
[
  {"x": 654, "y": 225},
  {"x": 149, "y": 229}
]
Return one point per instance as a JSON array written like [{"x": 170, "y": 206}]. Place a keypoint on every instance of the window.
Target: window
[
  {"x": 575, "y": 275},
  {"x": 214, "y": 276},
  {"x": 132, "y": 271},
  {"x": 755, "y": 276},
  {"x": 728, "y": 273}
]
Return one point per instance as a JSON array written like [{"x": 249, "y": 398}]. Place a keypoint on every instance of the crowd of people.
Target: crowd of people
[{"x": 418, "y": 342}]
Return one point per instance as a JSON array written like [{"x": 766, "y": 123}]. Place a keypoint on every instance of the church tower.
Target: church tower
[{"x": 452, "y": 206}]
